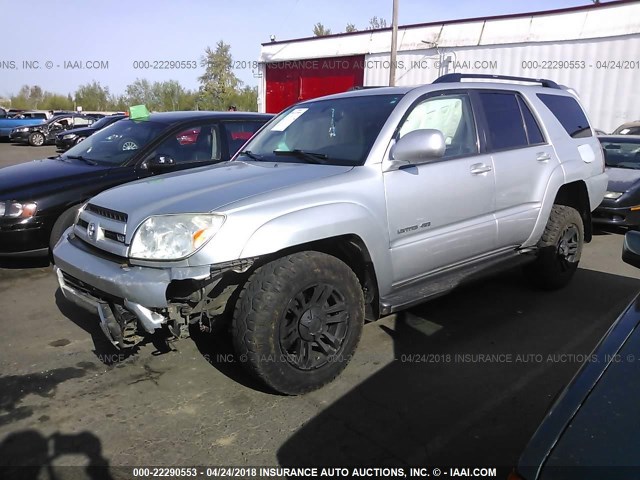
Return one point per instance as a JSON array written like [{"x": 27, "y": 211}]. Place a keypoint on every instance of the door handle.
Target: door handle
[
  {"x": 480, "y": 168},
  {"x": 543, "y": 156}
]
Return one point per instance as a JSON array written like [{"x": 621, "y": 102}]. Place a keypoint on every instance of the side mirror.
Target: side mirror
[
  {"x": 417, "y": 147},
  {"x": 631, "y": 249},
  {"x": 160, "y": 163}
]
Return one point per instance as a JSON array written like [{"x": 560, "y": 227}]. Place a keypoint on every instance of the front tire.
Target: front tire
[
  {"x": 36, "y": 139},
  {"x": 559, "y": 249},
  {"x": 298, "y": 321},
  {"x": 64, "y": 221}
]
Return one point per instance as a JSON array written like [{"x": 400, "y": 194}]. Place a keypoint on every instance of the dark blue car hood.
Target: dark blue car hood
[
  {"x": 38, "y": 176},
  {"x": 621, "y": 179}
]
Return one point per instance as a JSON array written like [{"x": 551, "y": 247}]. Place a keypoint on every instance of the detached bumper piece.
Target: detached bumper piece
[{"x": 120, "y": 319}]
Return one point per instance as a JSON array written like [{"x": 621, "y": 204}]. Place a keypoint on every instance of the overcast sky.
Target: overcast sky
[{"x": 122, "y": 31}]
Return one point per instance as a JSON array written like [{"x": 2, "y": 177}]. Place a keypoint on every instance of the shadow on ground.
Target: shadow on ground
[
  {"x": 14, "y": 388},
  {"x": 29, "y": 455},
  {"x": 473, "y": 392}
]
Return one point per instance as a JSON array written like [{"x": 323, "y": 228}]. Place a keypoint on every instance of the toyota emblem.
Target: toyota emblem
[{"x": 91, "y": 231}]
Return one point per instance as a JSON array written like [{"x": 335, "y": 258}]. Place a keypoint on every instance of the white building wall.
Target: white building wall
[
  {"x": 610, "y": 32},
  {"x": 611, "y": 95}
]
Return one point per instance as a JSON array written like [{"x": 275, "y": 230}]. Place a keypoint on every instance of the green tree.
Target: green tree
[
  {"x": 36, "y": 95},
  {"x": 319, "y": 30},
  {"x": 141, "y": 92},
  {"x": 218, "y": 82},
  {"x": 93, "y": 96},
  {"x": 376, "y": 23},
  {"x": 245, "y": 99},
  {"x": 350, "y": 28},
  {"x": 54, "y": 101}
]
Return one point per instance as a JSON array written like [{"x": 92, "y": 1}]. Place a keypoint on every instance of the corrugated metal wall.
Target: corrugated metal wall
[{"x": 610, "y": 95}]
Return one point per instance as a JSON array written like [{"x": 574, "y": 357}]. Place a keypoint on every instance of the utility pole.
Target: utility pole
[{"x": 394, "y": 44}]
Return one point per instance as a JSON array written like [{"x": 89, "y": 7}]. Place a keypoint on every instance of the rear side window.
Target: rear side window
[
  {"x": 239, "y": 132},
  {"x": 569, "y": 114},
  {"x": 504, "y": 120},
  {"x": 533, "y": 130}
]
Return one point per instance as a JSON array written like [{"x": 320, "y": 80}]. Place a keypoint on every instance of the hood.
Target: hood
[
  {"x": 621, "y": 179},
  {"x": 25, "y": 179},
  {"x": 209, "y": 188}
]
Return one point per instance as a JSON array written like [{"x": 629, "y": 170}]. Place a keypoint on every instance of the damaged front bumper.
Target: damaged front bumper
[{"x": 121, "y": 294}]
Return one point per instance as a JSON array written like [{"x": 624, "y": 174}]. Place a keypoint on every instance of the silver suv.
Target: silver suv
[{"x": 341, "y": 209}]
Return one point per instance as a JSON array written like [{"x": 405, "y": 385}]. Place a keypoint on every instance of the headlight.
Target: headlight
[
  {"x": 613, "y": 195},
  {"x": 171, "y": 237},
  {"x": 69, "y": 136},
  {"x": 17, "y": 210},
  {"x": 22, "y": 129}
]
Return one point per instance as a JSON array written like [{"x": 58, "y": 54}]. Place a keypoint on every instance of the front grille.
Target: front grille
[
  {"x": 108, "y": 213},
  {"x": 115, "y": 236}
]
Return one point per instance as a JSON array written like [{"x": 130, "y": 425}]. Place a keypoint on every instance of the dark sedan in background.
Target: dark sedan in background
[
  {"x": 592, "y": 431},
  {"x": 621, "y": 204},
  {"x": 67, "y": 139},
  {"x": 40, "y": 199},
  {"x": 45, "y": 133}
]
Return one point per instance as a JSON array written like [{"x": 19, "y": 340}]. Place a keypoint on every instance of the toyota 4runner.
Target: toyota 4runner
[{"x": 341, "y": 209}]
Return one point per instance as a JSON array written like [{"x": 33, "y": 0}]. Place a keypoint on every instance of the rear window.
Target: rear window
[{"x": 569, "y": 114}]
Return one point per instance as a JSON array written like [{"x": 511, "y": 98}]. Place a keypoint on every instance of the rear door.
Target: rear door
[{"x": 522, "y": 158}]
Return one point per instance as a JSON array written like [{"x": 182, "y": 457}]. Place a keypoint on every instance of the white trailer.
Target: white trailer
[{"x": 593, "y": 49}]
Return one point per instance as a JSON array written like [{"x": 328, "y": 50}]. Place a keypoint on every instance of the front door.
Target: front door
[{"x": 441, "y": 213}]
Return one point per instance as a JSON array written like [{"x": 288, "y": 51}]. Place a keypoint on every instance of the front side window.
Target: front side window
[
  {"x": 504, "y": 121},
  {"x": 196, "y": 144},
  {"x": 452, "y": 115},
  {"x": 569, "y": 114},
  {"x": 338, "y": 131},
  {"x": 82, "y": 121}
]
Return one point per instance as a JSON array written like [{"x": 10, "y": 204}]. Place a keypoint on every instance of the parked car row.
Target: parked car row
[
  {"x": 45, "y": 133},
  {"x": 40, "y": 199}
]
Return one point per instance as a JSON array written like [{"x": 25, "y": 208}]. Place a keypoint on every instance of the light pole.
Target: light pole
[{"x": 394, "y": 44}]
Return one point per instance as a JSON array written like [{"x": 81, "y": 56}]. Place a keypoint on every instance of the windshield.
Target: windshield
[
  {"x": 117, "y": 143},
  {"x": 334, "y": 131},
  {"x": 622, "y": 154}
]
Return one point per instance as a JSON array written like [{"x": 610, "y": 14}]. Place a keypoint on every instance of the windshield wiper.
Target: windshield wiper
[
  {"x": 311, "y": 157},
  {"x": 252, "y": 156},
  {"x": 83, "y": 159}
]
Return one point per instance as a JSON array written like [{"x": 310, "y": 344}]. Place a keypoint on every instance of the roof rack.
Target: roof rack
[{"x": 457, "y": 77}]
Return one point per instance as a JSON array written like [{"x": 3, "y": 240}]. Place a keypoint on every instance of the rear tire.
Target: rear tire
[
  {"x": 298, "y": 321},
  {"x": 559, "y": 249},
  {"x": 63, "y": 222}
]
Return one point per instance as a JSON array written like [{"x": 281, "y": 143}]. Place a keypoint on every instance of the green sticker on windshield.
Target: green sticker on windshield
[{"x": 138, "y": 112}]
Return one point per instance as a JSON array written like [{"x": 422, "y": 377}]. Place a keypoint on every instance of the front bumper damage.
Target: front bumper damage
[{"x": 128, "y": 297}]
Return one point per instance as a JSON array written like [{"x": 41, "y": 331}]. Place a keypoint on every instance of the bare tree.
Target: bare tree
[{"x": 376, "y": 23}]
